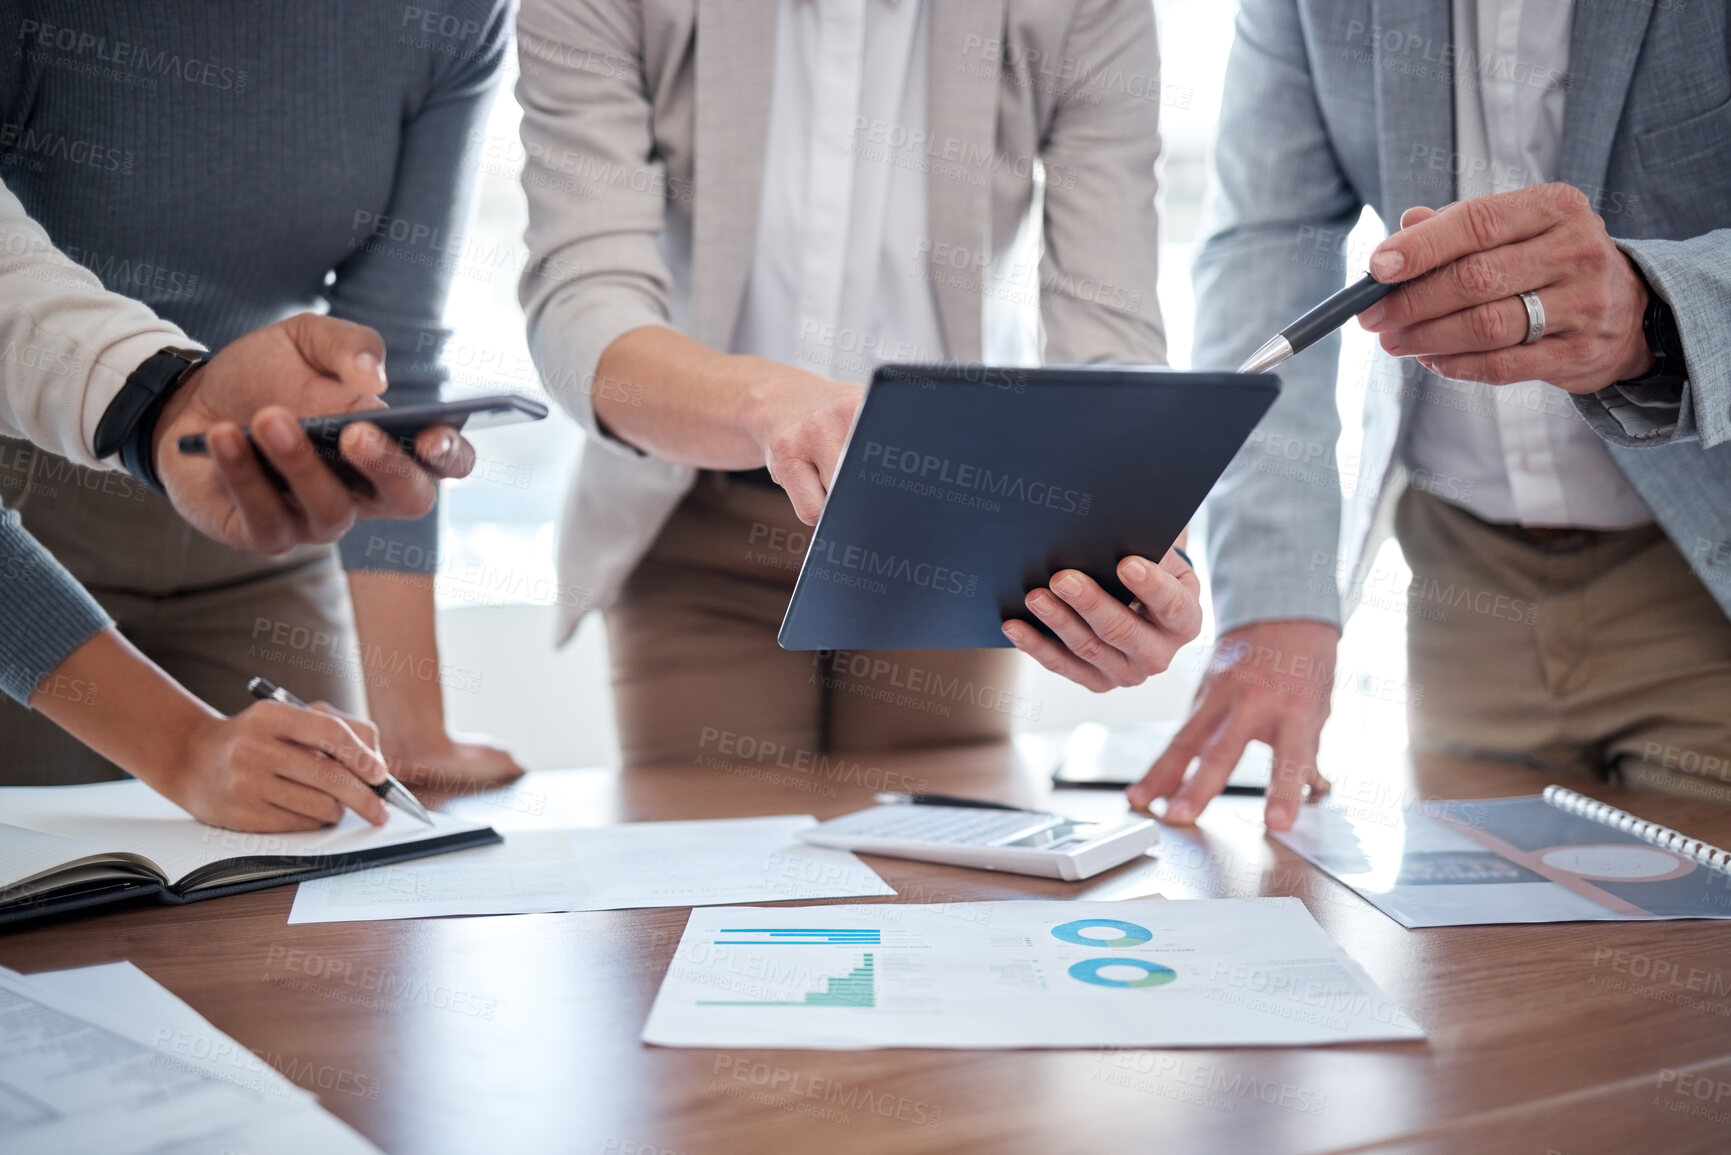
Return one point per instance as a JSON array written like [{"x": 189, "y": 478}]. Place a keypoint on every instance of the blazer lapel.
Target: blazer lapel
[
  {"x": 1602, "y": 52},
  {"x": 1415, "y": 115},
  {"x": 735, "y": 69},
  {"x": 961, "y": 115}
]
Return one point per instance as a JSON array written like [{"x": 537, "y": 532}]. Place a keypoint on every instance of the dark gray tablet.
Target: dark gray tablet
[{"x": 961, "y": 488}]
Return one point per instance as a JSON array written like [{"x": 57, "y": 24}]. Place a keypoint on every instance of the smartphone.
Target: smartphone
[
  {"x": 1112, "y": 758},
  {"x": 403, "y": 424}
]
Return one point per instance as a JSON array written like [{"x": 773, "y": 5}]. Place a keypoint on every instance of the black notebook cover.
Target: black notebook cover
[{"x": 321, "y": 866}]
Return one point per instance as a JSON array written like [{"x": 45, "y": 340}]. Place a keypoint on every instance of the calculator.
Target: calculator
[{"x": 1020, "y": 841}]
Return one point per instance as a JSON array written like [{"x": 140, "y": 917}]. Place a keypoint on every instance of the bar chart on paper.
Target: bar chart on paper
[
  {"x": 1230, "y": 972},
  {"x": 797, "y": 936},
  {"x": 853, "y": 989}
]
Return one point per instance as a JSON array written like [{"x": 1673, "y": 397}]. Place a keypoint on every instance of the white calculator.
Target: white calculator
[{"x": 1021, "y": 841}]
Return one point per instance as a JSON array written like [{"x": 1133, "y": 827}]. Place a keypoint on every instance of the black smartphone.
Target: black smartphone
[
  {"x": 1111, "y": 758},
  {"x": 403, "y": 423}
]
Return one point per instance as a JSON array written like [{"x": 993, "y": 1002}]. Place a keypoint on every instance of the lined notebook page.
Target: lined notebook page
[
  {"x": 25, "y": 853},
  {"x": 130, "y": 816}
]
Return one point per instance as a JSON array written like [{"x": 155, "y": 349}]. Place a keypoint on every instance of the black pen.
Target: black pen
[
  {"x": 390, "y": 789},
  {"x": 1318, "y": 323}
]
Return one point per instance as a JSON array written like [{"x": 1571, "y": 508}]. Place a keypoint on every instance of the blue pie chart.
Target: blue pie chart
[
  {"x": 1129, "y": 934},
  {"x": 1153, "y": 974}
]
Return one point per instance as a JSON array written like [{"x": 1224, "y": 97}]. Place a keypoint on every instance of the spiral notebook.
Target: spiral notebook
[{"x": 1555, "y": 857}]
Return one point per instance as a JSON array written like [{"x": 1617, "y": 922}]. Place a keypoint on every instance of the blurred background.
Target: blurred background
[{"x": 497, "y": 585}]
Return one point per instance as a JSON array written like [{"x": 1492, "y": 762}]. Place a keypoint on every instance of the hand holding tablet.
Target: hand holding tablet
[
  {"x": 1102, "y": 643},
  {"x": 964, "y": 488}
]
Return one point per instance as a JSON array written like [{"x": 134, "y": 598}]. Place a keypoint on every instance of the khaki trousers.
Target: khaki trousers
[
  {"x": 697, "y": 670},
  {"x": 211, "y": 616},
  {"x": 1597, "y": 655}
]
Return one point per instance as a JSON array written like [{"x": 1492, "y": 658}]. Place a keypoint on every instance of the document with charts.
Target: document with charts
[
  {"x": 634, "y": 864},
  {"x": 1202, "y": 973},
  {"x": 1556, "y": 857}
]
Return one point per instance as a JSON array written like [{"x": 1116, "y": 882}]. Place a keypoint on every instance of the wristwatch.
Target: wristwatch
[
  {"x": 128, "y": 425},
  {"x": 1665, "y": 342}
]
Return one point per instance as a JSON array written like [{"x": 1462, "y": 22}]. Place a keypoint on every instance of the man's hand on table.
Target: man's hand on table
[
  {"x": 305, "y": 366},
  {"x": 1269, "y": 681},
  {"x": 1461, "y": 313}
]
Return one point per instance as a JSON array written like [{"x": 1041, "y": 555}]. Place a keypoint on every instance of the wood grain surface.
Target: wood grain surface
[{"x": 520, "y": 1034}]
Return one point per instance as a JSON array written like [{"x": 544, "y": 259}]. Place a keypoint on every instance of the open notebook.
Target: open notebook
[{"x": 67, "y": 847}]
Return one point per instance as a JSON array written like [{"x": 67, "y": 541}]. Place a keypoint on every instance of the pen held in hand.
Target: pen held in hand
[
  {"x": 1318, "y": 323},
  {"x": 392, "y": 791}
]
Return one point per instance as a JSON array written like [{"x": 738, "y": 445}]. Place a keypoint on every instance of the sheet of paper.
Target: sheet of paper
[
  {"x": 131, "y": 816},
  {"x": 1502, "y": 860},
  {"x": 133, "y": 1004},
  {"x": 1198, "y": 973},
  {"x": 636, "y": 864},
  {"x": 105, "y": 1059}
]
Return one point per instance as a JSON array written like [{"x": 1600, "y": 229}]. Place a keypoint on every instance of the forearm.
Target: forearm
[
  {"x": 675, "y": 399},
  {"x": 395, "y": 619},
  {"x": 123, "y": 706}
]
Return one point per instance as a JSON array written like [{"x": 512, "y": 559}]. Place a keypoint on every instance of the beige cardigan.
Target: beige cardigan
[{"x": 644, "y": 124}]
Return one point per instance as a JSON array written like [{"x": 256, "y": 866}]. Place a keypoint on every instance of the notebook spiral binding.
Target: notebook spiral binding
[{"x": 1664, "y": 837}]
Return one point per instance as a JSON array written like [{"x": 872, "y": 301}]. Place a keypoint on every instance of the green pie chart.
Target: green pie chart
[
  {"x": 1129, "y": 934},
  {"x": 1153, "y": 974}
]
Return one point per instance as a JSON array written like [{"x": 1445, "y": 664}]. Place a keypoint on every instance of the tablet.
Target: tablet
[{"x": 961, "y": 488}]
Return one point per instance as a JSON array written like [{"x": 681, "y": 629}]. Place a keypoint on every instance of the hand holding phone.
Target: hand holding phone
[
  {"x": 402, "y": 425},
  {"x": 270, "y": 377}
]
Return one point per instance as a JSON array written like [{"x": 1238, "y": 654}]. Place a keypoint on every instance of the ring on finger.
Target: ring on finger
[{"x": 1535, "y": 317}]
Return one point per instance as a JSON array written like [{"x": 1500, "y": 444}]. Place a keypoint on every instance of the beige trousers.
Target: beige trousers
[
  {"x": 1598, "y": 654},
  {"x": 211, "y": 616},
  {"x": 697, "y": 670}
]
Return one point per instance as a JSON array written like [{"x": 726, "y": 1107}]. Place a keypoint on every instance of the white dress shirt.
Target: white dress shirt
[
  {"x": 835, "y": 284},
  {"x": 1514, "y": 453},
  {"x": 67, "y": 344}
]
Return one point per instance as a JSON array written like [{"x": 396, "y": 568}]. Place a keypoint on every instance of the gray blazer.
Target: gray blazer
[
  {"x": 1332, "y": 105},
  {"x": 645, "y": 124}
]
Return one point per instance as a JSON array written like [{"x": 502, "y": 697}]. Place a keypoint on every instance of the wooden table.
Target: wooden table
[{"x": 523, "y": 1036}]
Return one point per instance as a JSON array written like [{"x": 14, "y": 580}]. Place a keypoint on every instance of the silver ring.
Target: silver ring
[{"x": 1535, "y": 317}]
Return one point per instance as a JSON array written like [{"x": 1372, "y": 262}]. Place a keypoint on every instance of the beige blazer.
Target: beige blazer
[{"x": 645, "y": 124}]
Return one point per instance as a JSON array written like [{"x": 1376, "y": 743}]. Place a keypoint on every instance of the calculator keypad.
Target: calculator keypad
[{"x": 951, "y": 825}]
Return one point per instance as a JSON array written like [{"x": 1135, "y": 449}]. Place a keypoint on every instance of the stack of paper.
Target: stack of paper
[
  {"x": 1214, "y": 973},
  {"x": 102, "y": 1059},
  {"x": 638, "y": 864}
]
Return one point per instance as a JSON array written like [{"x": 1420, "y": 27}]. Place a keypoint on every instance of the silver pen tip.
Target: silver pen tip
[
  {"x": 1273, "y": 351},
  {"x": 399, "y": 795}
]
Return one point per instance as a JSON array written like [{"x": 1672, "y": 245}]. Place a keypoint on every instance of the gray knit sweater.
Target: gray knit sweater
[{"x": 228, "y": 165}]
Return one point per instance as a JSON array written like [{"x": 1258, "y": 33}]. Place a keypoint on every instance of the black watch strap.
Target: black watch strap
[
  {"x": 1665, "y": 342},
  {"x": 128, "y": 425}
]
